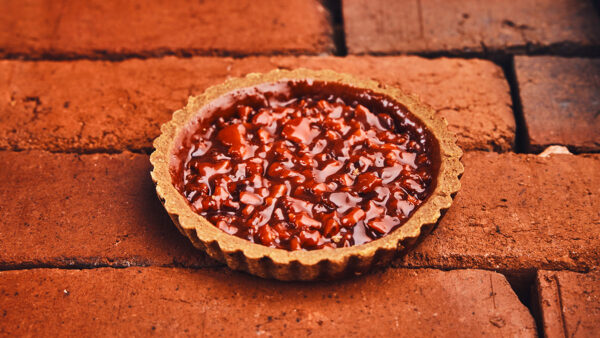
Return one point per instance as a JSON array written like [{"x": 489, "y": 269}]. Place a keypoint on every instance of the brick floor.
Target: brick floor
[
  {"x": 569, "y": 303},
  {"x": 468, "y": 26},
  {"x": 103, "y": 210},
  {"x": 142, "y": 94},
  {"x": 101, "y": 28},
  {"x": 86, "y": 83},
  {"x": 403, "y": 302},
  {"x": 561, "y": 101}
]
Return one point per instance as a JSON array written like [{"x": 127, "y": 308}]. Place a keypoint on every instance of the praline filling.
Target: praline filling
[{"x": 303, "y": 164}]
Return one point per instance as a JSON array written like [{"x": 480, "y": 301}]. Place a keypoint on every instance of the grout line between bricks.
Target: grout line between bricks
[
  {"x": 337, "y": 20},
  {"x": 522, "y": 140},
  {"x": 150, "y": 54},
  {"x": 142, "y": 151},
  {"x": 83, "y": 266},
  {"x": 565, "y": 49},
  {"x": 560, "y": 304},
  {"x": 20, "y": 267},
  {"x": 118, "y": 265},
  {"x": 535, "y": 309},
  {"x": 339, "y": 38}
]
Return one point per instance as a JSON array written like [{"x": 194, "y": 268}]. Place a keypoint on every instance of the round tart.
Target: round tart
[{"x": 302, "y": 175}]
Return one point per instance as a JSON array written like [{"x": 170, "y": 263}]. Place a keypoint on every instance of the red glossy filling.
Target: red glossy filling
[{"x": 306, "y": 165}]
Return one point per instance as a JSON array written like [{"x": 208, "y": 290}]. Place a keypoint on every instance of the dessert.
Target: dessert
[
  {"x": 304, "y": 174},
  {"x": 307, "y": 165}
]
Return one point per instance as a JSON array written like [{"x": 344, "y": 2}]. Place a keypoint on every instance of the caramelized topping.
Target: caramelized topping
[{"x": 307, "y": 165}]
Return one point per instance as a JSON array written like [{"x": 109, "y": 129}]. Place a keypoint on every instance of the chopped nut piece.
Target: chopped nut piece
[{"x": 250, "y": 198}]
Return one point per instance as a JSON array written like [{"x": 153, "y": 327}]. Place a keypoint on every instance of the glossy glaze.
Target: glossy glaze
[{"x": 305, "y": 165}]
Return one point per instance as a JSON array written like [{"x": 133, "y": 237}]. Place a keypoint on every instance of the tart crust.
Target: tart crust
[{"x": 266, "y": 262}]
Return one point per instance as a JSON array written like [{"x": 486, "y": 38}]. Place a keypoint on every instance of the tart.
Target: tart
[{"x": 303, "y": 174}]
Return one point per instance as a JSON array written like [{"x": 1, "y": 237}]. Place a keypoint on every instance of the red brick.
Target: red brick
[
  {"x": 513, "y": 212},
  {"x": 560, "y": 99},
  {"x": 66, "y": 209},
  {"x": 569, "y": 303},
  {"x": 519, "y": 212},
  {"x": 98, "y": 106},
  {"x": 101, "y": 28},
  {"x": 167, "y": 302},
  {"x": 425, "y": 26}
]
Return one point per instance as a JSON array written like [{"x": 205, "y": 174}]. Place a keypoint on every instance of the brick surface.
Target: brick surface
[
  {"x": 112, "y": 28},
  {"x": 513, "y": 212},
  {"x": 518, "y": 212},
  {"x": 144, "y": 301},
  {"x": 63, "y": 210},
  {"x": 98, "y": 106},
  {"x": 380, "y": 26},
  {"x": 569, "y": 303},
  {"x": 561, "y": 101}
]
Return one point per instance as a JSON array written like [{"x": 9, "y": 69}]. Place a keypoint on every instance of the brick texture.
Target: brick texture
[
  {"x": 561, "y": 101},
  {"x": 144, "y": 301},
  {"x": 453, "y": 26},
  {"x": 513, "y": 212},
  {"x": 569, "y": 303},
  {"x": 87, "y": 210},
  {"x": 518, "y": 212},
  {"x": 106, "y": 106},
  {"x": 87, "y": 249},
  {"x": 112, "y": 28}
]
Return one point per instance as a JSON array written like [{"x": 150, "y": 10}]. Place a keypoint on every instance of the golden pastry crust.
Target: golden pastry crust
[{"x": 240, "y": 254}]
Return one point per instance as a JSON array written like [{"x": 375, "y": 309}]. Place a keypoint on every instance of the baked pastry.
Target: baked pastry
[{"x": 305, "y": 174}]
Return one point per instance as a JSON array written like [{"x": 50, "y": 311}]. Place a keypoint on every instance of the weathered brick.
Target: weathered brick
[
  {"x": 66, "y": 209},
  {"x": 513, "y": 212},
  {"x": 519, "y": 212},
  {"x": 112, "y": 28},
  {"x": 569, "y": 303},
  {"x": 171, "y": 301},
  {"x": 426, "y": 26},
  {"x": 561, "y": 101},
  {"x": 99, "y": 106}
]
